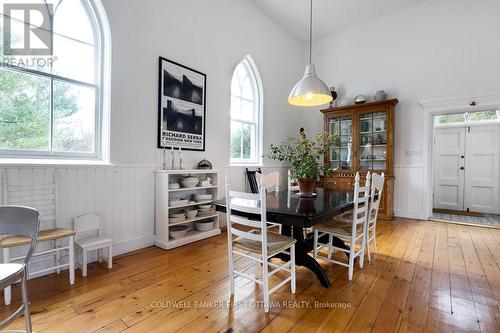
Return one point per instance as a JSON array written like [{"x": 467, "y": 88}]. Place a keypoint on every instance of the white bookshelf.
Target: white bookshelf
[{"x": 164, "y": 195}]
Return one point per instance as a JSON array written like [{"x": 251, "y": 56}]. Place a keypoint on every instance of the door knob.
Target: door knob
[{"x": 462, "y": 168}]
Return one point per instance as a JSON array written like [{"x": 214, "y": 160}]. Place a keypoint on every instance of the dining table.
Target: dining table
[{"x": 295, "y": 213}]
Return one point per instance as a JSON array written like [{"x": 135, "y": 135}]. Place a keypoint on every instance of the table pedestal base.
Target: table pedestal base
[{"x": 302, "y": 249}]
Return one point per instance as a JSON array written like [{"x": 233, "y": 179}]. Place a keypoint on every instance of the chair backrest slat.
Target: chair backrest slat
[
  {"x": 87, "y": 222},
  {"x": 241, "y": 207},
  {"x": 244, "y": 221},
  {"x": 246, "y": 234}
]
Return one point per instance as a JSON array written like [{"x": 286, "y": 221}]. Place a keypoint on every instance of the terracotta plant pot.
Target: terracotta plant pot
[{"x": 307, "y": 186}]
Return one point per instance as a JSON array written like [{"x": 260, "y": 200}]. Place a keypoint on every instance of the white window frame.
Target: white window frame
[
  {"x": 100, "y": 25},
  {"x": 467, "y": 122},
  {"x": 258, "y": 123}
]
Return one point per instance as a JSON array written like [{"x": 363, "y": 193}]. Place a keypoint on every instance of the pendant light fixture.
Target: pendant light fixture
[{"x": 310, "y": 90}]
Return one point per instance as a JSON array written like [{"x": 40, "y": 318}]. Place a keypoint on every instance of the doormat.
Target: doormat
[{"x": 456, "y": 212}]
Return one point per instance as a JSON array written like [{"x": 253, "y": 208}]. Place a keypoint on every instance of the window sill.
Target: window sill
[
  {"x": 32, "y": 162},
  {"x": 239, "y": 165}
]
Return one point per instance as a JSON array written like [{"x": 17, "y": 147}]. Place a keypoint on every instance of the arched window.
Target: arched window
[
  {"x": 54, "y": 103},
  {"x": 246, "y": 114}
]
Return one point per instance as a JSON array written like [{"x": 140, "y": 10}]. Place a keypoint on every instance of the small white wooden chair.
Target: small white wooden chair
[
  {"x": 257, "y": 245},
  {"x": 349, "y": 226},
  {"x": 271, "y": 183},
  {"x": 87, "y": 223},
  {"x": 375, "y": 197}
]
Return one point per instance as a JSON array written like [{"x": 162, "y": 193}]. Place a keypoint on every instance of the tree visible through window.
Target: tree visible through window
[
  {"x": 55, "y": 110},
  {"x": 246, "y": 113},
  {"x": 468, "y": 117}
]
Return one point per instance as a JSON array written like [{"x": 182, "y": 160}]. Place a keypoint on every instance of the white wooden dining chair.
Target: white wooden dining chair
[
  {"x": 293, "y": 186},
  {"x": 377, "y": 185},
  {"x": 88, "y": 223},
  {"x": 271, "y": 183},
  {"x": 349, "y": 226},
  {"x": 292, "y": 183},
  {"x": 256, "y": 244}
]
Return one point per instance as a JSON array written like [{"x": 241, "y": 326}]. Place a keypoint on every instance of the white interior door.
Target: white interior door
[
  {"x": 449, "y": 156},
  {"x": 481, "y": 169}
]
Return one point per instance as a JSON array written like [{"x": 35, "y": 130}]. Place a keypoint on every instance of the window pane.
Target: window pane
[
  {"x": 235, "y": 86},
  {"x": 235, "y": 108},
  {"x": 247, "y": 91},
  {"x": 451, "y": 118},
  {"x": 482, "y": 116},
  {"x": 71, "y": 20},
  {"x": 74, "y": 60},
  {"x": 24, "y": 111},
  {"x": 248, "y": 141},
  {"x": 74, "y": 120},
  {"x": 236, "y": 130},
  {"x": 247, "y": 111}
]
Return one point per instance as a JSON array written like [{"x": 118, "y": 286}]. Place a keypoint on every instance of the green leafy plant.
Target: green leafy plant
[{"x": 304, "y": 154}]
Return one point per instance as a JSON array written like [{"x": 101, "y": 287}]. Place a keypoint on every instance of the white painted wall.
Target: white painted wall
[
  {"x": 210, "y": 36},
  {"x": 436, "y": 49}
]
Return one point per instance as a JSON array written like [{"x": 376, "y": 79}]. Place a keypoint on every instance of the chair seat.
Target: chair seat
[
  {"x": 337, "y": 227},
  {"x": 276, "y": 243},
  {"x": 10, "y": 270},
  {"x": 94, "y": 241},
  {"x": 43, "y": 235}
]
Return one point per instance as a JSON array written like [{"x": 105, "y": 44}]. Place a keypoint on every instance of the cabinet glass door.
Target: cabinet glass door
[
  {"x": 340, "y": 155},
  {"x": 373, "y": 141}
]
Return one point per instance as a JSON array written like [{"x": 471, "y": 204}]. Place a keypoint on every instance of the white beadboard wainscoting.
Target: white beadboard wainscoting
[
  {"x": 408, "y": 191},
  {"x": 123, "y": 196}
]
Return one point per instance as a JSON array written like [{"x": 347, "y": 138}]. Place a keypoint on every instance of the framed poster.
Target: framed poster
[{"x": 181, "y": 107}]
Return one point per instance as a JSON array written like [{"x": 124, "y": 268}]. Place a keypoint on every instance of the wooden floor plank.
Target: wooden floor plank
[
  {"x": 391, "y": 311},
  {"x": 415, "y": 313},
  {"x": 427, "y": 276}
]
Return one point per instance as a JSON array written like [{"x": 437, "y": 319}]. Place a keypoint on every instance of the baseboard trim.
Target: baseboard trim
[{"x": 409, "y": 214}]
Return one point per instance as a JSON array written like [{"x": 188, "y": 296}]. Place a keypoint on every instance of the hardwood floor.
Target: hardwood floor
[{"x": 427, "y": 276}]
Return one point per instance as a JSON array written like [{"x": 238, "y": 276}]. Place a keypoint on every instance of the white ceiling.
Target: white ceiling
[{"x": 329, "y": 15}]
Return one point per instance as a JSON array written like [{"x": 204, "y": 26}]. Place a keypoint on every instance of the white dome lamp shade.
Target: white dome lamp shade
[{"x": 310, "y": 90}]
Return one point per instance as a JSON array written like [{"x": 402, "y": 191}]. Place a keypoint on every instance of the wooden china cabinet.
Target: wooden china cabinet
[{"x": 364, "y": 141}]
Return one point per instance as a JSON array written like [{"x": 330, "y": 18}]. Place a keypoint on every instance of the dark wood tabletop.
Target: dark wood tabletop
[{"x": 292, "y": 210}]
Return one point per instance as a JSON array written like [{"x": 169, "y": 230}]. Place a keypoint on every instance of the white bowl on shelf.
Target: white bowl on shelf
[
  {"x": 189, "y": 182},
  {"x": 191, "y": 213},
  {"x": 205, "y": 206},
  {"x": 178, "y": 202},
  {"x": 176, "y": 219},
  {"x": 174, "y": 186},
  {"x": 204, "y": 225},
  {"x": 178, "y": 231},
  {"x": 203, "y": 197},
  {"x": 177, "y": 215}
]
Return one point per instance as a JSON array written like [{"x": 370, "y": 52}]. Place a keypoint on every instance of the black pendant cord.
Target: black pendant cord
[{"x": 310, "y": 32}]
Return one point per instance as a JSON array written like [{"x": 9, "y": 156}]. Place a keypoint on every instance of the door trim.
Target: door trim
[{"x": 482, "y": 101}]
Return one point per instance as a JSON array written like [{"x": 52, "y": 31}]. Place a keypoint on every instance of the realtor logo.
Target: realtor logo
[{"x": 27, "y": 29}]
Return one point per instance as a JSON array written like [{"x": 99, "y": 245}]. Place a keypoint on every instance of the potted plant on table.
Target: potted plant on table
[{"x": 304, "y": 156}]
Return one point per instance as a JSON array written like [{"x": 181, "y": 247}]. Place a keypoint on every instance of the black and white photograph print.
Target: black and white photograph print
[{"x": 181, "y": 107}]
